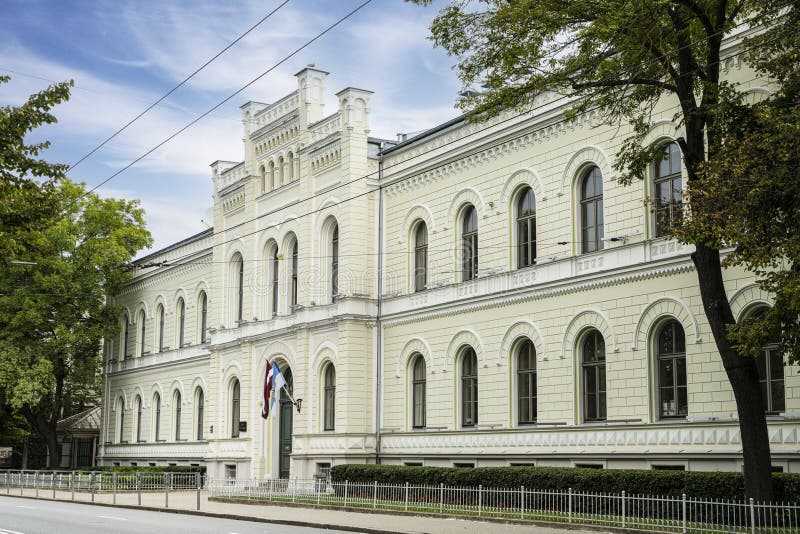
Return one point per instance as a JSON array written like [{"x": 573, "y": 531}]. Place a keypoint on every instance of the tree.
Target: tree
[
  {"x": 53, "y": 308},
  {"x": 622, "y": 57}
]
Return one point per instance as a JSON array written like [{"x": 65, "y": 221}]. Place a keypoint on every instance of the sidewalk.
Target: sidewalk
[{"x": 373, "y": 523}]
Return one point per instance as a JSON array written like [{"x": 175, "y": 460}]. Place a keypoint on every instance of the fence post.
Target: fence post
[
  {"x": 752, "y": 516},
  {"x": 53, "y": 483},
  {"x": 346, "y": 483},
  {"x": 166, "y": 490},
  {"x": 139, "y": 488},
  {"x": 406, "y": 498},
  {"x": 375, "y": 495},
  {"x": 623, "y": 508},
  {"x": 480, "y": 499},
  {"x": 317, "y": 484},
  {"x": 569, "y": 514},
  {"x": 72, "y": 483},
  {"x": 91, "y": 484},
  {"x": 441, "y": 497},
  {"x": 293, "y": 485},
  {"x": 683, "y": 505},
  {"x": 36, "y": 482},
  {"x": 197, "y": 485},
  {"x": 522, "y": 502},
  {"x": 114, "y": 486}
]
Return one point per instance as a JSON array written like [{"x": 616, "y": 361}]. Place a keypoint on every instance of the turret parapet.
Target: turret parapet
[
  {"x": 311, "y": 88},
  {"x": 354, "y": 109}
]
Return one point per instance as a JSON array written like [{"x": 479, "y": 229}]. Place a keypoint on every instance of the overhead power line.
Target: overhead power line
[{"x": 178, "y": 86}]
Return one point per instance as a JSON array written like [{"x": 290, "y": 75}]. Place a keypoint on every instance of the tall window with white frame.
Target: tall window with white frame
[
  {"x": 203, "y": 318},
  {"x": 770, "y": 373},
  {"x": 418, "y": 392},
  {"x": 176, "y": 412},
  {"x": 334, "y": 261},
  {"x": 238, "y": 287},
  {"x": 181, "y": 323},
  {"x": 469, "y": 243},
  {"x": 274, "y": 268},
  {"x": 124, "y": 336},
  {"x": 293, "y": 300},
  {"x": 668, "y": 188},
  {"x": 526, "y": 228},
  {"x": 157, "y": 417},
  {"x": 591, "y": 191},
  {"x": 199, "y": 404},
  {"x": 469, "y": 387},
  {"x": 420, "y": 256},
  {"x": 138, "y": 403},
  {"x": 120, "y": 419},
  {"x": 271, "y": 175},
  {"x": 329, "y": 398},
  {"x": 142, "y": 333},
  {"x": 593, "y": 364},
  {"x": 160, "y": 326},
  {"x": 526, "y": 382},
  {"x": 671, "y": 356},
  {"x": 235, "y": 407}
]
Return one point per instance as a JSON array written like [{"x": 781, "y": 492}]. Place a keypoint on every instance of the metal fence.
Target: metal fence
[
  {"x": 641, "y": 512},
  {"x": 92, "y": 483}
]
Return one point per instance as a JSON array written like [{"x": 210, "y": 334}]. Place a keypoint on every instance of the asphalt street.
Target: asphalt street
[{"x": 28, "y": 516}]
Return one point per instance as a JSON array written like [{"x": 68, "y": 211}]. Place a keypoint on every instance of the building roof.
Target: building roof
[
  {"x": 85, "y": 421},
  {"x": 196, "y": 237},
  {"x": 428, "y": 133}
]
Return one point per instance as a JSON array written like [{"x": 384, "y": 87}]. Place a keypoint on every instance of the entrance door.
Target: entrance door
[{"x": 285, "y": 435}]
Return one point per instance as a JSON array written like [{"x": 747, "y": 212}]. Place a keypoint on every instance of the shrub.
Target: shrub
[{"x": 714, "y": 485}]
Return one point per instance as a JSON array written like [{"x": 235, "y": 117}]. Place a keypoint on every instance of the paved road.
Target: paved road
[{"x": 28, "y": 516}]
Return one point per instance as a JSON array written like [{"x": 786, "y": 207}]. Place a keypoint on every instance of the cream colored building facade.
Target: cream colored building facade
[{"x": 424, "y": 312}]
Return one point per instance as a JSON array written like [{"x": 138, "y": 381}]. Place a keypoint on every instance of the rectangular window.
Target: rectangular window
[
  {"x": 230, "y": 471},
  {"x": 770, "y": 375},
  {"x": 412, "y": 464},
  {"x": 466, "y": 465},
  {"x": 589, "y": 466},
  {"x": 668, "y": 467}
]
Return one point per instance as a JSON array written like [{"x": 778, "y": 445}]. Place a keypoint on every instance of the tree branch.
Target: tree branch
[
  {"x": 692, "y": 6},
  {"x": 621, "y": 83}
]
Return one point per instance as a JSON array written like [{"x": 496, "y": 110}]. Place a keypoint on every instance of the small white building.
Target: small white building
[{"x": 479, "y": 294}]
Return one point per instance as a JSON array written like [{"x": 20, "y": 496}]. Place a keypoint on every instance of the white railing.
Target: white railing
[{"x": 620, "y": 510}]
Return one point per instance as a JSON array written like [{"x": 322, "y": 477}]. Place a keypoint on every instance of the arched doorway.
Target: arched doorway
[{"x": 285, "y": 428}]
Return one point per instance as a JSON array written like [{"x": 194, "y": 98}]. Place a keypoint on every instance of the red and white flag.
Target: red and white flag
[{"x": 267, "y": 391}]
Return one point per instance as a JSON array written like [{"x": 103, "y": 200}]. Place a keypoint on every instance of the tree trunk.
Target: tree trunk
[
  {"x": 742, "y": 375},
  {"x": 53, "y": 450}
]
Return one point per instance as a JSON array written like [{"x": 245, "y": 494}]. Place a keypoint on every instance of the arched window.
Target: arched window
[
  {"x": 124, "y": 336},
  {"x": 160, "y": 326},
  {"x": 237, "y": 287},
  {"x": 526, "y": 228},
  {"x": 334, "y": 261},
  {"x": 593, "y": 362},
  {"x": 526, "y": 382},
  {"x": 142, "y": 334},
  {"x": 120, "y": 419},
  {"x": 202, "y": 305},
  {"x": 591, "y": 190},
  {"x": 156, "y": 417},
  {"x": 469, "y": 387},
  {"x": 469, "y": 243},
  {"x": 420, "y": 256},
  {"x": 281, "y": 171},
  {"x": 176, "y": 412},
  {"x": 271, "y": 175},
  {"x": 329, "y": 398},
  {"x": 295, "y": 258},
  {"x": 671, "y": 356},
  {"x": 418, "y": 392},
  {"x": 138, "y": 404},
  {"x": 770, "y": 371},
  {"x": 235, "y": 407},
  {"x": 274, "y": 267},
  {"x": 199, "y": 404},
  {"x": 667, "y": 187},
  {"x": 290, "y": 166},
  {"x": 180, "y": 312},
  {"x": 263, "y": 173}
]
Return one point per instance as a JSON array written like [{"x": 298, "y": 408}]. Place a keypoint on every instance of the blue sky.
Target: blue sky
[{"x": 125, "y": 55}]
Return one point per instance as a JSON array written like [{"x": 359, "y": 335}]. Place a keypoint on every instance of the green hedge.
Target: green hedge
[
  {"x": 716, "y": 485},
  {"x": 149, "y": 469}
]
